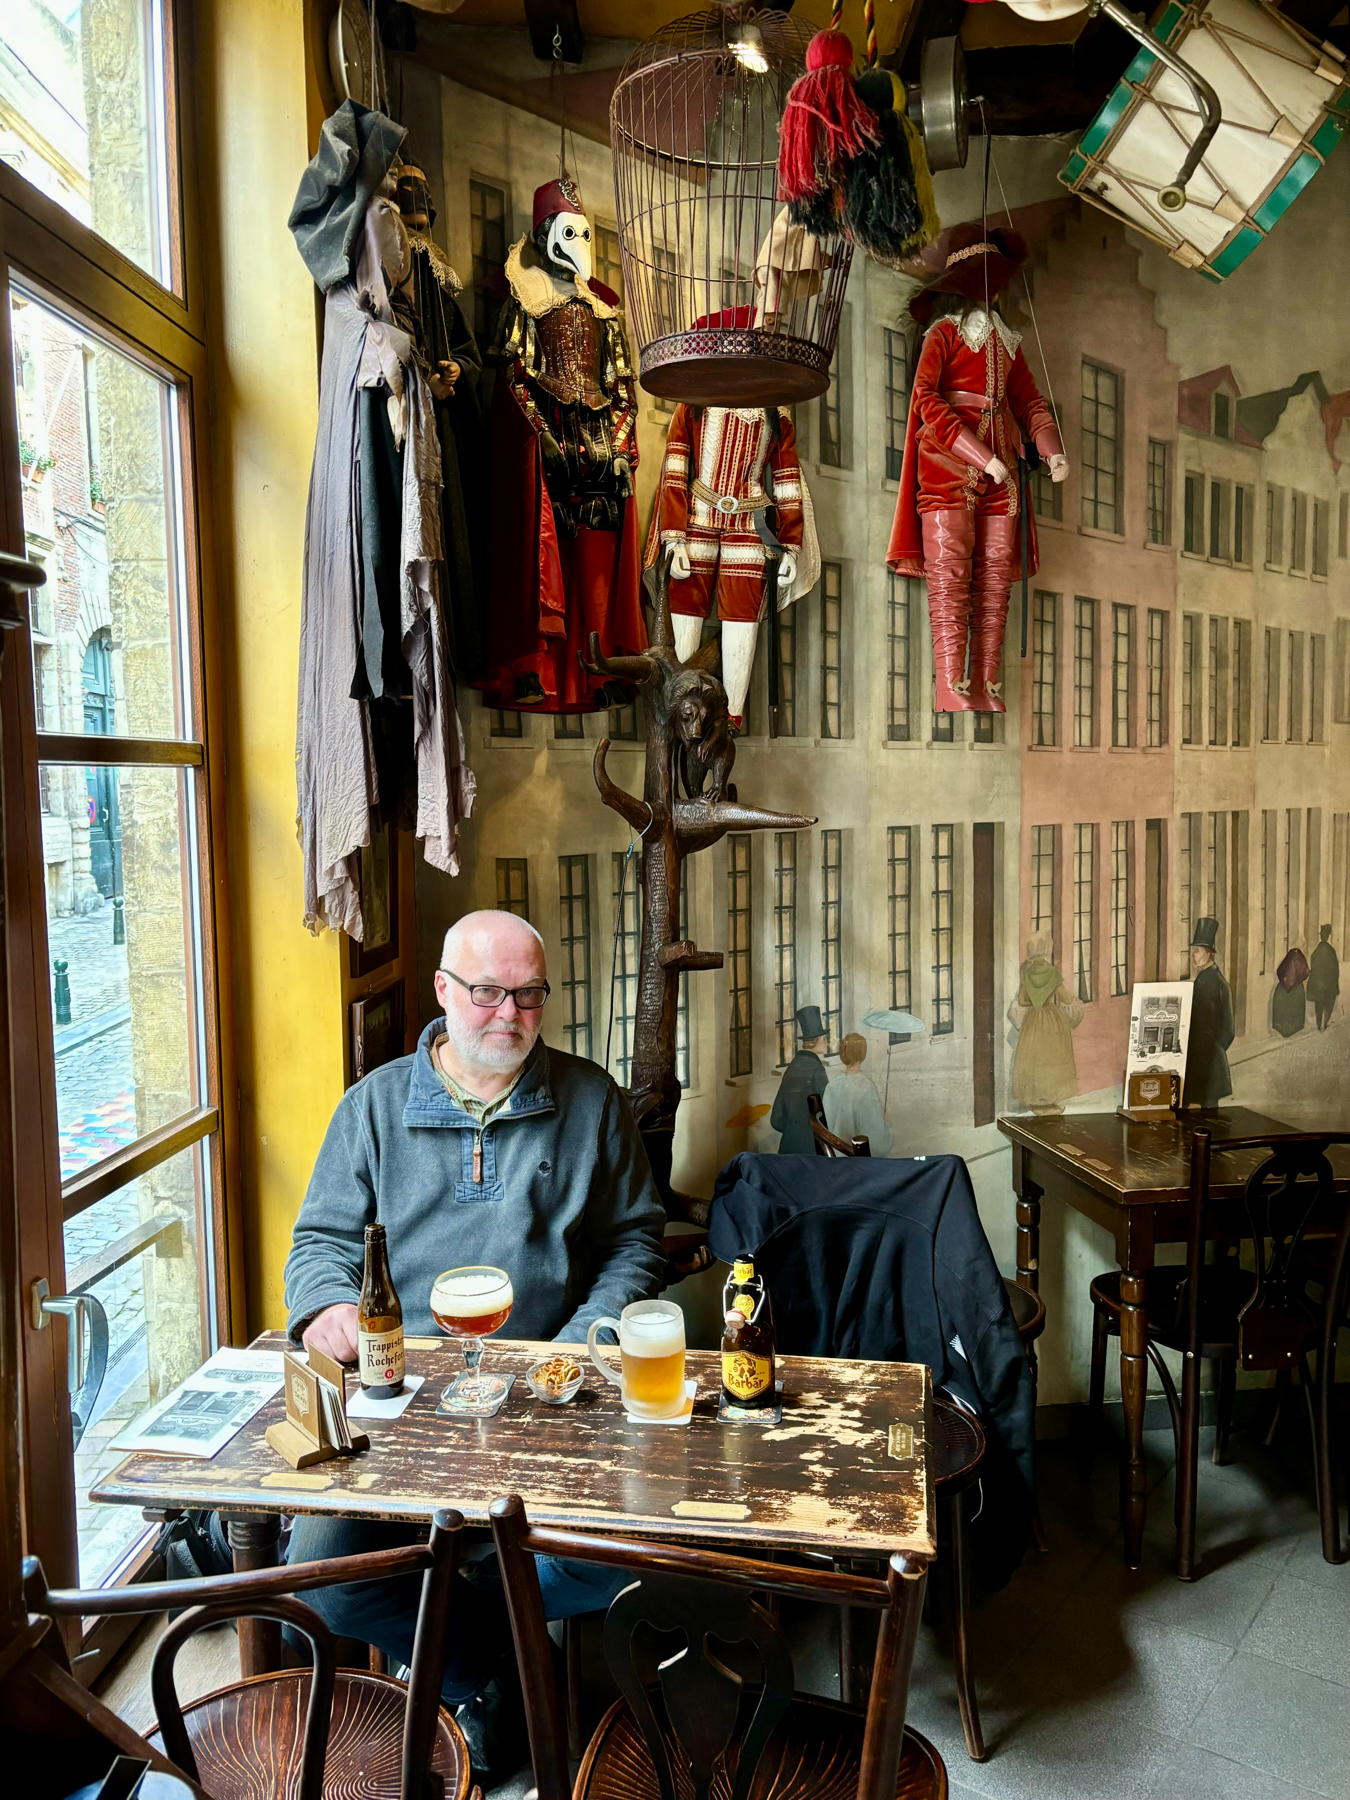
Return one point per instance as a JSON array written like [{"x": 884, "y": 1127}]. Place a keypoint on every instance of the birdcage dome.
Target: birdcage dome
[{"x": 731, "y": 304}]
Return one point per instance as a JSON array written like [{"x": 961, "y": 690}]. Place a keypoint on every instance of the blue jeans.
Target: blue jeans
[{"x": 384, "y": 1613}]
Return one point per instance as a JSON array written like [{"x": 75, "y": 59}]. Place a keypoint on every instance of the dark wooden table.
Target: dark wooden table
[
  {"x": 1134, "y": 1180},
  {"x": 845, "y": 1472}
]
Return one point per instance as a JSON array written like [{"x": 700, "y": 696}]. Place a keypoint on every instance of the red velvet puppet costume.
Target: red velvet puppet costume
[
  {"x": 957, "y": 519},
  {"x": 725, "y": 469},
  {"x": 563, "y": 552}
]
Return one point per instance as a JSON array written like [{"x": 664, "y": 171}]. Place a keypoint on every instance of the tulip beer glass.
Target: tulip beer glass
[
  {"x": 470, "y": 1304},
  {"x": 651, "y": 1346}
]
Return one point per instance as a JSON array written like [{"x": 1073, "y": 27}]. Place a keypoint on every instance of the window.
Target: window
[
  {"x": 1122, "y": 903},
  {"x": 607, "y": 257},
  {"x": 738, "y": 952},
  {"x": 831, "y": 934},
  {"x": 625, "y": 723},
  {"x": 787, "y": 672},
  {"x": 1298, "y": 554},
  {"x": 1047, "y": 497},
  {"x": 899, "y": 899},
  {"x": 1270, "y": 862},
  {"x": 1244, "y": 522},
  {"x": 489, "y": 236},
  {"x": 513, "y": 885},
  {"x": 574, "y": 907},
  {"x": 1214, "y": 876},
  {"x": 1101, "y": 448},
  {"x": 1217, "y": 732},
  {"x": 1192, "y": 869},
  {"x": 1122, "y": 676},
  {"x": 626, "y": 893},
  {"x": 569, "y": 727},
  {"x": 1220, "y": 521},
  {"x": 504, "y": 724},
  {"x": 1275, "y": 527},
  {"x": 1193, "y": 524},
  {"x": 1157, "y": 679},
  {"x": 1270, "y": 674},
  {"x": 896, "y": 354},
  {"x": 1343, "y": 526},
  {"x": 944, "y": 857},
  {"x": 1084, "y": 672},
  {"x": 1293, "y": 880},
  {"x": 1190, "y": 678},
  {"x": 665, "y": 274},
  {"x": 1241, "y": 670},
  {"x": 1159, "y": 491},
  {"x": 1044, "y": 668},
  {"x": 900, "y": 649},
  {"x": 1321, "y": 521},
  {"x": 738, "y": 288},
  {"x": 834, "y": 408},
  {"x": 1223, "y": 414},
  {"x": 1084, "y": 902},
  {"x": 1294, "y": 717},
  {"x": 1044, "y": 861},
  {"x": 831, "y": 628},
  {"x": 945, "y": 728},
  {"x": 1340, "y": 693},
  {"x": 1317, "y": 668},
  {"x": 785, "y": 942}
]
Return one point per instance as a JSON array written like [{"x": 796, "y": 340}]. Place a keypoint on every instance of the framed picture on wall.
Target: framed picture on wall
[
  {"x": 379, "y": 905},
  {"x": 376, "y": 1025}
]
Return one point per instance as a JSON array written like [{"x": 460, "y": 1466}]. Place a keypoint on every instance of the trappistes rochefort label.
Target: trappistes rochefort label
[
  {"x": 747, "y": 1377},
  {"x": 379, "y": 1356}
]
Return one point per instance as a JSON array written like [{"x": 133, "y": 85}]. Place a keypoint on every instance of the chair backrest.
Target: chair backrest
[
  {"x": 1291, "y": 1184},
  {"x": 826, "y": 1143},
  {"x": 662, "y": 1638},
  {"x": 269, "y": 1594}
]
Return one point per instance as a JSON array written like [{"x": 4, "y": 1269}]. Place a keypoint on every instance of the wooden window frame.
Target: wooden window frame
[{"x": 785, "y": 877}]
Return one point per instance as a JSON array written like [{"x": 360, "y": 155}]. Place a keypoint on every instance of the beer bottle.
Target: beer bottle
[
  {"x": 379, "y": 1321},
  {"x": 747, "y": 1339}
]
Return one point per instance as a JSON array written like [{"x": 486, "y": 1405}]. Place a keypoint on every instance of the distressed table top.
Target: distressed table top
[{"x": 832, "y": 1476}]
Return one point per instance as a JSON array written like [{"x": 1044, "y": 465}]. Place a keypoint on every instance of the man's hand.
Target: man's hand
[{"x": 334, "y": 1332}]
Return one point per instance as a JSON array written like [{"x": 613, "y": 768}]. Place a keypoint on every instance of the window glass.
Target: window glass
[
  {"x": 82, "y": 117},
  {"x": 100, "y": 480}
]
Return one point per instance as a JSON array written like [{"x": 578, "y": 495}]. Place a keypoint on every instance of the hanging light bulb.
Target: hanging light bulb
[{"x": 748, "y": 49}]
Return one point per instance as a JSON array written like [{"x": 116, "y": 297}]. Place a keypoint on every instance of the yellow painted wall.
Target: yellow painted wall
[{"x": 250, "y": 83}]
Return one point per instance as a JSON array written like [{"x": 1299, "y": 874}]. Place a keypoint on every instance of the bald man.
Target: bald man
[{"x": 483, "y": 1146}]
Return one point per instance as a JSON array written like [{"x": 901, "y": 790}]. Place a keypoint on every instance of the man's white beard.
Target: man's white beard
[{"x": 489, "y": 1049}]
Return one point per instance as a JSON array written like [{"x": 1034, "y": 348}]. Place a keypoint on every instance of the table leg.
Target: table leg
[
  {"x": 1134, "y": 1394},
  {"x": 253, "y": 1539},
  {"x": 1028, "y": 1231}
]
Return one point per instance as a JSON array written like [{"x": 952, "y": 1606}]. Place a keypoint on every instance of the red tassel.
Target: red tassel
[{"x": 824, "y": 122}]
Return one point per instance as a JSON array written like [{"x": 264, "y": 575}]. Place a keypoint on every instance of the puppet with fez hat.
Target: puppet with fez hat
[
  {"x": 563, "y": 529},
  {"x": 972, "y": 405}
]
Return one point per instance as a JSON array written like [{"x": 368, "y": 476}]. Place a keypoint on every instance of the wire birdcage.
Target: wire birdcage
[{"x": 731, "y": 304}]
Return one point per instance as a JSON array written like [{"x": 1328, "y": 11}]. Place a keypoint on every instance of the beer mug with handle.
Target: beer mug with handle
[{"x": 651, "y": 1346}]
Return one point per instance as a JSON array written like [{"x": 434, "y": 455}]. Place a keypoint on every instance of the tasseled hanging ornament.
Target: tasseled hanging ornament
[
  {"x": 888, "y": 208},
  {"x": 825, "y": 124}
]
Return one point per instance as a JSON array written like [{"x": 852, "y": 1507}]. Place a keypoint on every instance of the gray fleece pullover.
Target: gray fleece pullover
[{"x": 565, "y": 1203}]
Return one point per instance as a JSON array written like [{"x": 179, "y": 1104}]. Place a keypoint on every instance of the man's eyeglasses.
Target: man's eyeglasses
[{"x": 482, "y": 993}]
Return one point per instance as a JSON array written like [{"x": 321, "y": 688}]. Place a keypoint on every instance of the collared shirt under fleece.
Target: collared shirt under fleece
[{"x": 563, "y": 1201}]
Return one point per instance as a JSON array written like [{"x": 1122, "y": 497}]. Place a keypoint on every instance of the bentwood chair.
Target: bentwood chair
[
  {"x": 1257, "y": 1319},
  {"x": 706, "y": 1678},
  {"x": 299, "y": 1733}
]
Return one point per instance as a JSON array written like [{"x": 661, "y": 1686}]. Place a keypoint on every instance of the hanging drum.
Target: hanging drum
[
  {"x": 731, "y": 304},
  {"x": 1282, "y": 104}
]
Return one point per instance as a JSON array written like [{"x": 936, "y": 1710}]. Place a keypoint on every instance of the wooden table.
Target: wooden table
[
  {"x": 1134, "y": 1180},
  {"x": 845, "y": 1472}
]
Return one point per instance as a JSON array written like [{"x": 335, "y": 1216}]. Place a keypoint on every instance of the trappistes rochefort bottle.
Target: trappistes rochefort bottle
[
  {"x": 379, "y": 1321},
  {"x": 747, "y": 1339}
]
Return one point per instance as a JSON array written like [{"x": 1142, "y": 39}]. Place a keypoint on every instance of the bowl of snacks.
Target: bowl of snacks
[{"x": 556, "y": 1380}]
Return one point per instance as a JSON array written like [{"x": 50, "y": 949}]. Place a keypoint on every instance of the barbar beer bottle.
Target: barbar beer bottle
[
  {"x": 747, "y": 1339},
  {"x": 379, "y": 1321}
]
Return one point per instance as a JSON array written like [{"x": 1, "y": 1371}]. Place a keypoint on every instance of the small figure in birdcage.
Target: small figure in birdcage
[
  {"x": 563, "y": 525},
  {"x": 732, "y": 490}
]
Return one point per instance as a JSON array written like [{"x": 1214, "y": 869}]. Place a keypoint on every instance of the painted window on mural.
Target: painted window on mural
[
  {"x": 1244, "y": 521},
  {"x": 1190, "y": 678},
  {"x": 1240, "y": 681},
  {"x": 1045, "y": 668},
  {"x": 1122, "y": 676},
  {"x": 569, "y": 727},
  {"x": 504, "y": 723},
  {"x": 831, "y": 654},
  {"x": 1298, "y": 535},
  {"x": 513, "y": 885},
  {"x": 1193, "y": 515},
  {"x": 785, "y": 943},
  {"x": 738, "y": 952},
  {"x": 489, "y": 234},
  {"x": 900, "y": 652},
  {"x": 1047, "y": 497},
  {"x": 944, "y": 860},
  {"x": 1220, "y": 521},
  {"x": 1275, "y": 510},
  {"x": 831, "y": 934},
  {"x": 1084, "y": 672},
  {"x": 1321, "y": 520},
  {"x": 1122, "y": 903},
  {"x": 1317, "y": 663},
  {"x": 1270, "y": 682},
  {"x": 1157, "y": 679},
  {"x": 1043, "y": 844},
  {"x": 606, "y": 257},
  {"x": 1100, "y": 474},
  {"x": 896, "y": 362},
  {"x": 574, "y": 928},
  {"x": 835, "y": 406},
  {"x": 627, "y": 912},
  {"x": 1217, "y": 686},
  {"x": 1084, "y": 905},
  {"x": 787, "y": 672},
  {"x": 1294, "y": 715},
  {"x": 1159, "y": 491},
  {"x": 900, "y": 920}
]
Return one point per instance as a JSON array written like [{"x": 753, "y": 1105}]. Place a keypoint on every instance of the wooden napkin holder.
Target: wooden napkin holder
[
  {"x": 302, "y": 1438},
  {"x": 1150, "y": 1094}
]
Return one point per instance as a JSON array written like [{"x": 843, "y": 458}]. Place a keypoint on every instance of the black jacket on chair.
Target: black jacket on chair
[{"x": 886, "y": 1259}]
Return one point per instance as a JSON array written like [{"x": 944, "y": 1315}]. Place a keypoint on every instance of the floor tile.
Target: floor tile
[
  {"x": 1221, "y": 1606},
  {"x": 1282, "y": 1721},
  {"x": 1201, "y": 1775},
  {"x": 1306, "y": 1626},
  {"x": 1306, "y": 1562}
]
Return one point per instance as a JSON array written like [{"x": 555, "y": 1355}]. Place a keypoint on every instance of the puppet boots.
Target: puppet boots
[{"x": 969, "y": 562}]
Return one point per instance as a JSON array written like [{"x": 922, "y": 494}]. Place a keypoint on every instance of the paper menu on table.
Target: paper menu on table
[{"x": 204, "y": 1412}]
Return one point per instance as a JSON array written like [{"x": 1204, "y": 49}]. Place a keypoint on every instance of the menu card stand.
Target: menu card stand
[{"x": 315, "y": 1425}]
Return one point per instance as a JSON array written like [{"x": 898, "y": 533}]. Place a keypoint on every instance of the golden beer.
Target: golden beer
[
  {"x": 651, "y": 1350},
  {"x": 653, "y": 1384}
]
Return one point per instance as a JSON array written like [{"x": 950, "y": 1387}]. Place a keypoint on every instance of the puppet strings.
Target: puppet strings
[{"x": 989, "y": 164}]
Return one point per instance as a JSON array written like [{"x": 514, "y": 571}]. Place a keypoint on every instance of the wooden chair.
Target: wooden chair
[
  {"x": 300, "y": 1733},
  {"x": 1233, "y": 1317},
  {"x": 826, "y": 1143},
  {"x": 690, "y": 1715}
]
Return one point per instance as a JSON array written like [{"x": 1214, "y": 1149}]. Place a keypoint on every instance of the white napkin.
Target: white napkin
[{"x": 365, "y": 1405}]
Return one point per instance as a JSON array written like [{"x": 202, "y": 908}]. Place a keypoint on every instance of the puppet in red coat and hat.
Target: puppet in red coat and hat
[
  {"x": 563, "y": 553},
  {"x": 973, "y": 404}
]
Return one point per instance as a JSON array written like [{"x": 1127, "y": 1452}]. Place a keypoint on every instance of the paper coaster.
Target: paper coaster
[
  {"x": 753, "y": 1415},
  {"x": 679, "y": 1418},
  {"x": 454, "y": 1407},
  {"x": 365, "y": 1405}
]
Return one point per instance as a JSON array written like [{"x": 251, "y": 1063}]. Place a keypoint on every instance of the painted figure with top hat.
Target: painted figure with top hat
[
  {"x": 973, "y": 409},
  {"x": 1207, "y": 1078},
  {"x": 564, "y": 534},
  {"x": 804, "y": 1075}
]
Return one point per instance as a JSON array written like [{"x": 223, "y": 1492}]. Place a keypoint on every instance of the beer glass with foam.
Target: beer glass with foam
[{"x": 651, "y": 1347}]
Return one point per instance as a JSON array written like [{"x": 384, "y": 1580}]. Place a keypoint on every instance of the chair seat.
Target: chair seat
[
  {"x": 248, "y": 1738},
  {"x": 1028, "y": 1310},
  {"x": 815, "y": 1754},
  {"x": 1226, "y": 1291},
  {"x": 957, "y": 1449}
]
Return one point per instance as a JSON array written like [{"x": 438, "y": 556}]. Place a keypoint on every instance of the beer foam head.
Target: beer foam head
[
  {"x": 472, "y": 1290},
  {"x": 659, "y": 1332}
]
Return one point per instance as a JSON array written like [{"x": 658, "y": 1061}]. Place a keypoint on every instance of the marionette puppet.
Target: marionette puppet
[
  {"x": 961, "y": 518},
  {"x": 563, "y": 553},
  {"x": 732, "y": 508}
]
